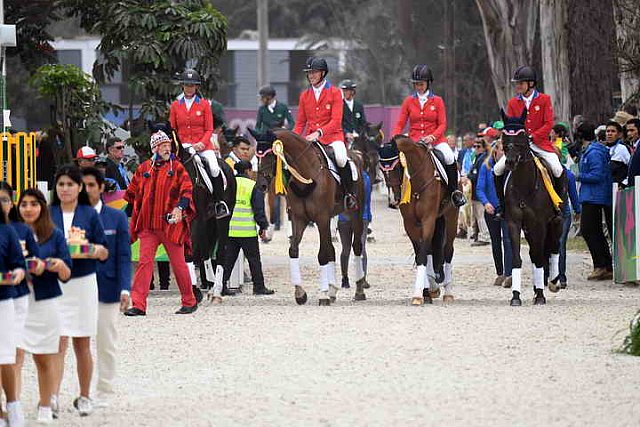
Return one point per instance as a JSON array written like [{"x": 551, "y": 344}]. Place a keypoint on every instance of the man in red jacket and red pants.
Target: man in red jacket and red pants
[
  {"x": 160, "y": 193},
  {"x": 538, "y": 124},
  {"x": 320, "y": 119}
]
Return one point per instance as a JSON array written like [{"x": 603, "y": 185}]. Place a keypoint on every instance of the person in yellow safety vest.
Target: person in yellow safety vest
[{"x": 247, "y": 216}]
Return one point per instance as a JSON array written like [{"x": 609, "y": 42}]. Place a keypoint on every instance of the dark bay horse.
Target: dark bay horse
[
  {"x": 208, "y": 234},
  {"x": 313, "y": 195},
  {"x": 431, "y": 222},
  {"x": 368, "y": 144},
  {"x": 528, "y": 207}
]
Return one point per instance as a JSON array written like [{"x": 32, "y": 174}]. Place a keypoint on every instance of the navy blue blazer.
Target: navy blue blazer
[
  {"x": 10, "y": 257},
  {"x": 86, "y": 218},
  {"x": 47, "y": 286},
  {"x": 114, "y": 275},
  {"x": 25, "y": 233}
]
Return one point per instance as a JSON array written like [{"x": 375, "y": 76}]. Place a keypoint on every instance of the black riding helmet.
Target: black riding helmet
[
  {"x": 267, "y": 91},
  {"x": 525, "y": 73},
  {"x": 421, "y": 73},
  {"x": 190, "y": 77},
  {"x": 316, "y": 64},
  {"x": 348, "y": 85}
]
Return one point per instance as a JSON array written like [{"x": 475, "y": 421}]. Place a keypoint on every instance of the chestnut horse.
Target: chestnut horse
[
  {"x": 431, "y": 222},
  {"x": 313, "y": 195}
]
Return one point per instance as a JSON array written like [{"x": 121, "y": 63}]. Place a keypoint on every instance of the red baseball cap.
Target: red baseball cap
[{"x": 86, "y": 152}]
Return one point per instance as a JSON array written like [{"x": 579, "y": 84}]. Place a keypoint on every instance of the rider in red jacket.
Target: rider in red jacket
[
  {"x": 320, "y": 119},
  {"x": 538, "y": 124},
  {"x": 190, "y": 115},
  {"x": 427, "y": 118}
]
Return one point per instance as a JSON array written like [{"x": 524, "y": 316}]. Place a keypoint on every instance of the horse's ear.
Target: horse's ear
[
  {"x": 236, "y": 129},
  {"x": 503, "y": 115}
]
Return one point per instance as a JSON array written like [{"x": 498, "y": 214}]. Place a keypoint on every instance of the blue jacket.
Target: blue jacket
[
  {"x": 573, "y": 195},
  {"x": 10, "y": 257},
  {"x": 595, "y": 175},
  {"x": 47, "y": 285},
  {"x": 86, "y": 218},
  {"x": 24, "y": 233},
  {"x": 366, "y": 209},
  {"x": 486, "y": 187},
  {"x": 114, "y": 275}
]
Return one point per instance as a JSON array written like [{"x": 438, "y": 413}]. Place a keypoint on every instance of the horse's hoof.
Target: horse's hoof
[
  {"x": 507, "y": 283},
  {"x": 417, "y": 301},
  {"x": 332, "y": 299},
  {"x": 324, "y": 302},
  {"x": 364, "y": 283},
  {"x": 360, "y": 297},
  {"x": 515, "y": 302},
  {"x": 447, "y": 299},
  {"x": 539, "y": 300},
  {"x": 427, "y": 295},
  {"x": 434, "y": 294},
  {"x": 553, "y": 287},
  {"x": 300, "y": 296},
  {"x": 216, "y": 300},
  {"x": 563, "y": 285},
  {"x": 197, "y": 293}
]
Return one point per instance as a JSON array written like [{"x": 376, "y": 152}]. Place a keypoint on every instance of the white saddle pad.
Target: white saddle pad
[
  {"x": 439, "y": 167},
  {"x": 334, "y": 169}
]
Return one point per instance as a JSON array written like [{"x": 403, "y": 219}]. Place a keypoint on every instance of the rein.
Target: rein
[
  {"x": 408, "y": 193},
  {"x": 281, "y": 161}
]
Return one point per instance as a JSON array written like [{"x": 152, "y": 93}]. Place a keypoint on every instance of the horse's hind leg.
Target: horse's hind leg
[
  {"x": 516, "y": 273},
  {"x": 326, "y": 253},
  {"x": 358, "y": 261},
  {"x": 537, "y": 242},
  {"x": 552, "y": 245},
  {"x": 298, "y": 227},
  {"x": 450, "y": 235}
]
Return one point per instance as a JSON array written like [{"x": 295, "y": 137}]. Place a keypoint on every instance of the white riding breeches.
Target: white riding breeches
[
  {"x": 447, "y": 153},
  {"x": 551, "y": 159},
  {"x": 340, "y": 152},
  {"x": 212, "y": 161}
]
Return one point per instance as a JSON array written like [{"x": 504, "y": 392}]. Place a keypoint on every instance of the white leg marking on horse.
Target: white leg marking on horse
[
  {"x": 430, "y": 277},
  {"x": 554, "y": 266},
  {"x": 420, "y": 280},
  {"x": 516, "y": 279},
  {"x": 324, "y": 278},
  {"x": 448, "y": 278},
  {"x": 209, "y": 272},
  {"x": 289, "y": 229},
  {"x": 294, "y": 271},
  {"x": 357, "y": 267},
  {"x": 332, "y": 272},
  {"x": 538, "y": 278},
  {"x": 192, "y": 273},
  {"x": 217, "y": 287}
]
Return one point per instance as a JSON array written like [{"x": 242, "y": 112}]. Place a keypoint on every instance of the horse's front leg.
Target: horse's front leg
[
  {"x": 359, "y": 236},
  {"x": 516, "y": 273},
  {"x": 298, "y": 226},
  {"x": 326, "y": 253},
  {"x": 537, "y": 253},
  {"x": 422, "y": 258},
  {"x": 451, "y": 227}
]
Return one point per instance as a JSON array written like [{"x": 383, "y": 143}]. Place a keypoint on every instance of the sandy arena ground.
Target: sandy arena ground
[{"x": 265, "y": 361}]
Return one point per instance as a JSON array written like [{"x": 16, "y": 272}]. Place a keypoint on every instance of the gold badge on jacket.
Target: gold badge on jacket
[
  {"x": 328, "y": 106},
  {"x": 358, "y": 115},
  {"x": 537, "y": 108},
  {"x": 198, "y": 113},
  {"x": 433, "y": 108}
]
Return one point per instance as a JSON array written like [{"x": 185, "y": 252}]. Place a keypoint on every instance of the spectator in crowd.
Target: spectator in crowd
[
  {"x": 13, "y": 269},
  {"x": 272, "y": 114},
  {"x": 451, "y": 141},
  {"x": 43, "y": 324},
  {"x": 353, "y": 117},
  {"x": 572, "y": 195},
  {"x": 498, "y": 229},
  {"x": 633, "y": 139},
  {"x": 595, "y": 199},
  {"x": 345, "y": 229},
  {"x": 558, "y": 136},
  {"x": 248, "y": 215},
  {"x": 161, "y": 194},
  {"x": 71, "y": 212},
  {"x": 619, "y": 153},
  {"x": 466, "y": 156},
  {"x": 241, "y": 150},
  {"x": 478, "y": 207},
  {"x": 114, "y": 282},
  {"x": 86, "y": 156},
  {"x": 115, "y": 168}
]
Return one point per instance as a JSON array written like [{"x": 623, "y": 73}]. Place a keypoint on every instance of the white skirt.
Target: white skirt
[
  {"x": 79, "y": 307},
  {"x": 21, "y": 308},
  {"x": 42, "y": 328},
  {"x": 7, "y": 333}
]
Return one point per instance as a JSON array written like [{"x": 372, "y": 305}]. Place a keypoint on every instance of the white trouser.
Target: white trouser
[
  {"x": 550, "y": 159},
  {"x": 340, "y": 152},
  {"x": 212, "y": 160},
  {"x": 447, "y": 153},
  {"x": 106, "y": 343}
]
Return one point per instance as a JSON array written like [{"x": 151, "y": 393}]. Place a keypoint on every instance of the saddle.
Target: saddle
[
  {"x": 202, "y": 168},
  {"x": 330, "y": 157},
  {"x": 438, "y": 161},
  {"x": 545, "y": 172}
]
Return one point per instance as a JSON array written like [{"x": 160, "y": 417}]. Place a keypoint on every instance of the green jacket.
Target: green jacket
[
  {"x": 268, "y": 120},
  {"x": 353, "y": 120},
  {"x": 218, "y": 114}
]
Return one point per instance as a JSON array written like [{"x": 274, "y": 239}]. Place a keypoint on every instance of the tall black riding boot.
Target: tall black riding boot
[
  {"x": 348, "y": 185},
  {"x": 220, "y": 208},
  {"x": 457, "y": 198},
  {"x": 499, "y": 182},
  {"x": 560, "y": 185}
]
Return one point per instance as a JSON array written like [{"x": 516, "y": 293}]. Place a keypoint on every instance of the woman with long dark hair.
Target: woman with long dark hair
[
  {"x": 72, "y": 212},
  {"x": 13, "y": 271},
  {"x": 42, "y": 328}
]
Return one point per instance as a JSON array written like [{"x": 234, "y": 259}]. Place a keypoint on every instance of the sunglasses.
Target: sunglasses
[
  {"x": 477, "y": 145},
  {"x": 121, "y": 147}
]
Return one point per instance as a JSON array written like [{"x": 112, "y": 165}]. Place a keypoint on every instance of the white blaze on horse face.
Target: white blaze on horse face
[
  {"x": 516, "y": 279},
  {"x": 294, "y": 271},
  {"x": 418, "y": 286}
]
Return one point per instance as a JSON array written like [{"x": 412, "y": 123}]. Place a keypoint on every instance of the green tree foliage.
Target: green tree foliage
[
  {"x": 77, "y": 103},
  {"x": 154, "y": 40}
]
